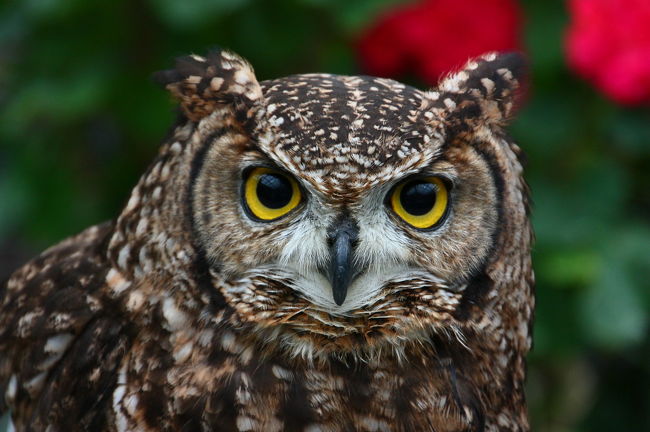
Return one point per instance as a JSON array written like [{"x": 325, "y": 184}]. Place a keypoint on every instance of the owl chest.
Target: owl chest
[{"x": 228, "y": 385}]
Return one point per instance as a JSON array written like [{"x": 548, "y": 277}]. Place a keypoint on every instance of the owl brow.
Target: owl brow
[
  {"x": 434, "y": 169},
  {"x": 254, "y": 156},
  {"x": 428, "y": 171},
  {"x": 257, "y": 158}
]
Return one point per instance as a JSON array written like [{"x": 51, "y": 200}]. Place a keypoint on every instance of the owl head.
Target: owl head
[{"x": 338, "y": 212}]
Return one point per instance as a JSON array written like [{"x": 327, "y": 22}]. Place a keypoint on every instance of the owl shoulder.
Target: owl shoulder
[{"x": 56, "y": 329}]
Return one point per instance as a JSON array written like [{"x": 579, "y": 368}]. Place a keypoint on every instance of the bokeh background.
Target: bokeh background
[{"x": 80, "y": 119}]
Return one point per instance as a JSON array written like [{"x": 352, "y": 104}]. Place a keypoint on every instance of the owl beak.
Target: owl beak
[{"x": 342, "y": 238}]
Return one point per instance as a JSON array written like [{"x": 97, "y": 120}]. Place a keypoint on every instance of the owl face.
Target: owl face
[{"x": 339, "y": 211}]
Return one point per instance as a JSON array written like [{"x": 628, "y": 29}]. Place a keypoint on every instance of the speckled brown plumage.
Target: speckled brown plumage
[{"x": 187, "y": 314}]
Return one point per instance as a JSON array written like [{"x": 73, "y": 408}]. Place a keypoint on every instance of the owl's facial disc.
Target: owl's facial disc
[{"x": 347, "y": 224}]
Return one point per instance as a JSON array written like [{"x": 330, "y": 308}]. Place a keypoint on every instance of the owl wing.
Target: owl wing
[{"x": 60, "y": 339}]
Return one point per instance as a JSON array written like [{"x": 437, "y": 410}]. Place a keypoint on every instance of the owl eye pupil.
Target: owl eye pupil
[
  {"x": 274, "y": 191},
  {"x": 418, "y": 197}
]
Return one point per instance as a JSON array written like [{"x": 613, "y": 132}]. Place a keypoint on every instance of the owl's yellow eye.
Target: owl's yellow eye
[
  {"x": 422, "y": 202},
  {"x": 270, "y": 194}
]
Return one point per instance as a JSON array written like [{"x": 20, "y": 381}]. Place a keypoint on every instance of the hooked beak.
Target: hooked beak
[{"x": 343, "y": 237}]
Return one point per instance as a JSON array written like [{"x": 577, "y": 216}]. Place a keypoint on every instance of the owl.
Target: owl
[{"x": 311, "y": 253}]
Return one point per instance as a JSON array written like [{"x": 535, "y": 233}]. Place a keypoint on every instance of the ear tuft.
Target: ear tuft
[
  {"x": 204, "y": 84},
  {"x": 495, "y": 80}
]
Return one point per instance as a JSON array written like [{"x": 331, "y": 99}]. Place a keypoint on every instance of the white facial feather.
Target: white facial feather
[
  {"x": 382, "y": 255},
  {"x": 306, "y": 240}
]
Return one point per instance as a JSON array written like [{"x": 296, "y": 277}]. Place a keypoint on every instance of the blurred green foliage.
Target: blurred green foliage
[{"x": 80, "y": 119}]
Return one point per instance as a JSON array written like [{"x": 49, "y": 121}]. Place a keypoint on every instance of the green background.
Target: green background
[{"x": 80, "y": 119}]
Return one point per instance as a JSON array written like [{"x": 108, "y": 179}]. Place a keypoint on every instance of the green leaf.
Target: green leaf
[
  {"x": 630, "y": 131},
  {"x": 186, "y": 14},
  {"x": 571, "y": 267},
  {"x": 53, "y": 99},
  {"x": 14, "y": 204},
  {"x": 354, "y": 15},
  {"x": 612, "y": 313}
]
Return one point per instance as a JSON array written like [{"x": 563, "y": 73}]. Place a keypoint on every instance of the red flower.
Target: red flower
[
  {"x": 608, "y": 43},
  {"x": 433, "y": 37}
]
